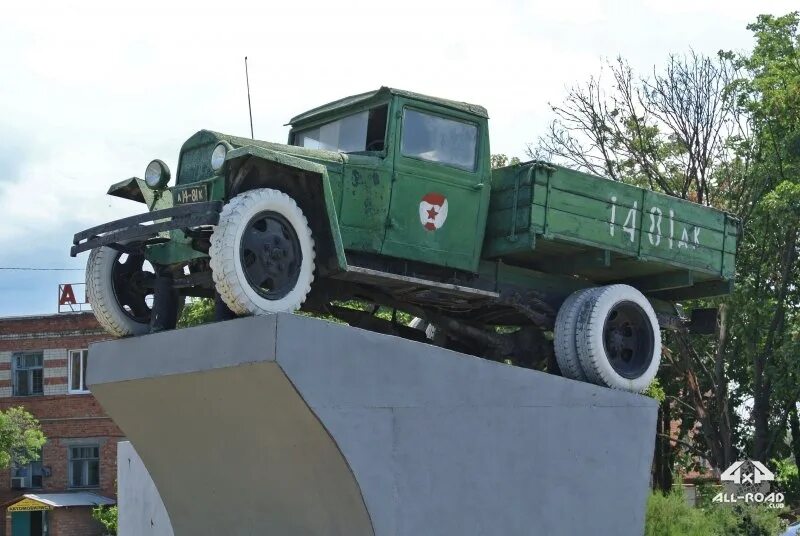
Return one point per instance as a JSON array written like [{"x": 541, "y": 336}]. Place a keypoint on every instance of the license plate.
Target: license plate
[{"x": 193, "y": 194}]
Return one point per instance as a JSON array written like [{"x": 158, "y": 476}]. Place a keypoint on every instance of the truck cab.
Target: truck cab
[{"x": 416, "y": 178}]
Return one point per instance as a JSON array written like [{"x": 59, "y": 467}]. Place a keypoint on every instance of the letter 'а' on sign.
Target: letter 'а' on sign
[{"x": 67, "y": 296}]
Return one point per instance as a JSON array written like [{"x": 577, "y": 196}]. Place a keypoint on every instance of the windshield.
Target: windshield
[{"x": 363, "y": 131}]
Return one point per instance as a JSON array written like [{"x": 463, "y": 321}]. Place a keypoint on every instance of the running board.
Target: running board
[{"x": 360, "y": 274}]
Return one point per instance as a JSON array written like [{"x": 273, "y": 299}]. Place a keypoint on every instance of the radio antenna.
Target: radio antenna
[{"x": 249, "y": 106}]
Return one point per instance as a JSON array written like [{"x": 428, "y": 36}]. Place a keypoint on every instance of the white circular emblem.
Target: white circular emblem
[{"x": 433, "y": 211}]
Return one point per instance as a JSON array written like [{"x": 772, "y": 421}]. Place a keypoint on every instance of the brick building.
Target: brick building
[{"x": 43, "y": 362}]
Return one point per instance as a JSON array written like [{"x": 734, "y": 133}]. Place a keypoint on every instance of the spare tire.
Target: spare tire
[{"x": 618, "y": 339}]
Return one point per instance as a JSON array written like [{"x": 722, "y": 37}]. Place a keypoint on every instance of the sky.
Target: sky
[{"x": 91, "y": 92}]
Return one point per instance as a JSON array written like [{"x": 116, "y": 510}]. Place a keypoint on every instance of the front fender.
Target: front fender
[{"x": 307, "y": 182}]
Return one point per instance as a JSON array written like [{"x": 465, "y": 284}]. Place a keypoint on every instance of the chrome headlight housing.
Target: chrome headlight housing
[
  {"x": 218, "y": 155},
  {"x": 156, "y": 176}
]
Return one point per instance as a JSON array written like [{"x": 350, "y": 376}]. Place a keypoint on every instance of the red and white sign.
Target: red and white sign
[
  {"x": 66, "y": 296},
  {"x": 72, "y": 298},
  {"x": 433, "y": 211}
]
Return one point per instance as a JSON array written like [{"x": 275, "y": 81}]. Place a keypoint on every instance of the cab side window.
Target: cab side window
[
  {"x": 436, "y": 139},
  {"x": 359, "y": 132}
]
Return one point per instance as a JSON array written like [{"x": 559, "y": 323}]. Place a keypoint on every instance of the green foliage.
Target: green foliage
[
  {"x": 501, "y": 160},
  {"x": 671, "y": 515},
  {"x": 21, "y": 437},
  {"x": 384, "y": 313},
  {"x": 766, "y": 303},
  {"x": 722, "y": 131},
  {"x": 196, "y": 312},
  {"x": 108, "y": 517},
  {"x": 787, "y": 480},
  {"x": 655, "y": 390}
]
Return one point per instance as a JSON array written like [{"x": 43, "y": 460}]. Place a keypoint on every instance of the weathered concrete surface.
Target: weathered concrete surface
[
  {"x": 290, "y": 425},
  {"x": 141, "y": 510}
]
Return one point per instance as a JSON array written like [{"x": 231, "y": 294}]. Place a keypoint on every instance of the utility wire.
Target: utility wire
[{"x": 31, "y": 269}]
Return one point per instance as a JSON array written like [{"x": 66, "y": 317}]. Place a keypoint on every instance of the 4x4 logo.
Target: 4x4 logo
[
  {"x": 433, "y": 211},
  {"x": 747, "y": 472}
]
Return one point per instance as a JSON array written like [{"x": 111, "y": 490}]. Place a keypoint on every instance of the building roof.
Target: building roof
[
  {"x": 44, "y": 316},
  {"x": 78, "y": 498},
  {"x": 382, "y": 93}
]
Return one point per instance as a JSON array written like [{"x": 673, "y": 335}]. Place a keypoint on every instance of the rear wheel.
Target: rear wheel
[
  {"x": 618, "y": 339},
  {"x": 564, "y": 335},
  {"x": 262, "y": 253}
]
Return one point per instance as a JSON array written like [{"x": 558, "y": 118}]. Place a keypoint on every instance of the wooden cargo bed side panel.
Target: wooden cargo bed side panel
[
  {"x": 685, "y": 213},
  {"x": 509, "y": 227},
  {"x": 651, "y": 232},
  {"x": 591, "y": 232},
  {"x": 655, "y": 222},
  {"x": 591, "y": 187},
  {"x": 689, "y": 256},
  {"x": 655, "y": 228}
]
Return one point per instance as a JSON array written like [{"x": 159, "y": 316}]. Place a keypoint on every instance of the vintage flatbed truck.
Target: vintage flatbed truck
[{"x": 388, "y": 197}]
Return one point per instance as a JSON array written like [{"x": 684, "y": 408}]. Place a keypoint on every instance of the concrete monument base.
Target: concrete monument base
[{"x": 295, "y": 426}]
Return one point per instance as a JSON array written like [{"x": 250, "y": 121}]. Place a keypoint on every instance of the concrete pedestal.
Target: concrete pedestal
[
  {"x": 290, "y": 425},
  {"x": 142, "y": 512}
]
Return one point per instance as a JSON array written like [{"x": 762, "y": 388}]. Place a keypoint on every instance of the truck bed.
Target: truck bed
[{"x": 560, "y": 220}]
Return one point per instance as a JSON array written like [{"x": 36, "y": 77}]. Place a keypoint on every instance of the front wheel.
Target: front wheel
[
  {"x": 119, "y": 286},
  {"x": 262, "y": 253}
]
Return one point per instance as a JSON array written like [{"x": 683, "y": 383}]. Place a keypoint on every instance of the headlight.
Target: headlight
[
  {"x": 156, "y": 176},
  {"x": 218, "y": 156}
]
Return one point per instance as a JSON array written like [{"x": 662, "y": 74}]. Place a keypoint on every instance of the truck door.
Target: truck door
[{"x": 440, "y": 189}]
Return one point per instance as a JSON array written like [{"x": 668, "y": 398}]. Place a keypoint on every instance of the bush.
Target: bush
[
  {"x": 787, "y": 480},
  {"x": 107, "y": 516},
  {"x": 670, "y": 515}
]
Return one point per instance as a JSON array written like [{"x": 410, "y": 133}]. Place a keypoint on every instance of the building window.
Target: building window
[
  {"x": 28, "y": 475},
  {"x": 77, "y": 371},
  {"x": 84, "y": 466},
  {"x": 28, "y": 374}
]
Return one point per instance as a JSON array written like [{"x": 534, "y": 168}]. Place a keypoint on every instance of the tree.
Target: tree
[
  {"x": 501, "y": 160},
  {"x": 768, "y": 295},
  {"x": 21, "y": 437},
  {"x": 666, "y": 132},
  {"x": 723, "y": 132}
]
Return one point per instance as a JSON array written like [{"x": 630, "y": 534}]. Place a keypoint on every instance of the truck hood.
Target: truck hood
[{"x": 195, "y": 157}]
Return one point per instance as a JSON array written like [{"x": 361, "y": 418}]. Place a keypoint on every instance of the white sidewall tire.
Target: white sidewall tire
[
  {"x": 226, "y": 265},
  {"x": 102, "y": 298},
  {"x": 564, "y": 343},
  {"x": 590, "y": 344}
]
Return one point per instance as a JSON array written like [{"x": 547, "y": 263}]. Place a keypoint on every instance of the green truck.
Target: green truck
[{"x": 388, "y": 198}]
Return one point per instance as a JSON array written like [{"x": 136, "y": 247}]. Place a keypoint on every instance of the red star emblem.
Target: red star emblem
[{"x": 432, "y": 213}]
